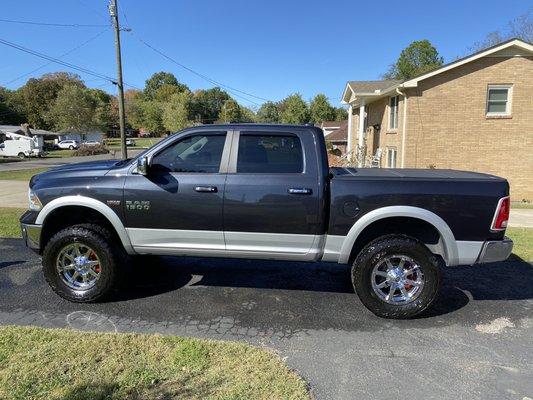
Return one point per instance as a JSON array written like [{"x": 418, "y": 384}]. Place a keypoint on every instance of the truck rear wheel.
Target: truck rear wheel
[
  {"x": 81, "y": 264},
  {"x": 21, "y": 155},
  {"x": 396, "y": 276}
]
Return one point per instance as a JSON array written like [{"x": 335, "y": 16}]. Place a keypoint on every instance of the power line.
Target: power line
[
  {"x": 65, "y": 64},
  {"x": 55, "y": 60},
  {"x": 13, "y": 21},
  {"x": 203, "y": 76},
  {"x": 61, "y": 56}
]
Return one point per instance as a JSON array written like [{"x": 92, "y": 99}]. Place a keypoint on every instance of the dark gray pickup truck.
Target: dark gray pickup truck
[{"x": 265, "y": 192}]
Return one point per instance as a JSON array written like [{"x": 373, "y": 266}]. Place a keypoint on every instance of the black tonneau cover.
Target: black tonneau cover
[{"x": 407, "y": 173}]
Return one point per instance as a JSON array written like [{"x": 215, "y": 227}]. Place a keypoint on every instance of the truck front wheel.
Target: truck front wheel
[
  {"x": 396, "y": 276},
  {"x": 81, "y": 264}
]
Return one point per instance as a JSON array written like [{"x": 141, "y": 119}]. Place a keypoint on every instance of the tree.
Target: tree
[
  {"x": 341, "y": 114},
  {"x": 176, "y": 112},
  {"x": 230, "y": 112},
  {"x": 247, "y": 115},
  {"x": 320, "y": 109},
  {"x": 36, "y": 97},
  {"x": 206, "y": 105},
  {"x": 9, "y": 114},
  {"x": 103, "y": 116},
  {"x": 268, "y": 112},
  {"x": 521, "y": 28},
  {"x": 294, "y": 110},
  {"x": 165, "y": 92},
  {"x": 419, "y": 57},
  {"x": 73, "y": 110},
  {"x": 152, "y": 116},
  {"x": 157, "y": 80}
]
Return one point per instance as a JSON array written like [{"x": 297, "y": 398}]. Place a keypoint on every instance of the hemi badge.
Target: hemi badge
[{"x": 113, "y": 202}]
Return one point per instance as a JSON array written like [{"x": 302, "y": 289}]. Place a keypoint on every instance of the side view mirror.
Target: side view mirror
[{"x": 143, "y": 165}]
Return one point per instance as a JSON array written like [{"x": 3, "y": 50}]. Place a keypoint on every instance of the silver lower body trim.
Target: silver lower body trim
[{"x": 272, "y": 246}]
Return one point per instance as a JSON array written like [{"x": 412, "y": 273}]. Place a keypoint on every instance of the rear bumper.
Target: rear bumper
[
  {"x": 31, "y": 234},
  {"x": 494, "y": 251}
]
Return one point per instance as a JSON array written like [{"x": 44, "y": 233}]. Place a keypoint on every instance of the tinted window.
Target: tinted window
[
  {"x": 270, "y": 154},
  {"x": 197, "y": 153}
]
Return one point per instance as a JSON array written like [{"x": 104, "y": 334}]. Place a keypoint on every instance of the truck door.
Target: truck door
[
  {"x": 271, "y": 203},
  {"x": 177, "y": 206}
]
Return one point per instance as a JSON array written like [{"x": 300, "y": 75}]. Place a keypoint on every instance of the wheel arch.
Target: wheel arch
[
  {"x": 446, "y": 245},
  {"x": 88, "y": 203}
]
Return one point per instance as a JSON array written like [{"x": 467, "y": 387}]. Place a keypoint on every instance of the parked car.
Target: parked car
[
  {"x": 130, "y": 142},
  {"x": 265, "y": 192},
  {"x": 68, "y": 144}
]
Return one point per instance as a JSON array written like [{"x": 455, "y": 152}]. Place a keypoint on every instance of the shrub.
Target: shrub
[{"x": 91, "y": 150}]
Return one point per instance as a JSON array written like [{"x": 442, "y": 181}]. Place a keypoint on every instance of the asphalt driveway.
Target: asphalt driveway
[{"x": 476, "y": 343}]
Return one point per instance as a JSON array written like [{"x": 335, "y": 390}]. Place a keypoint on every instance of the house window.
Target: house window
[
  {"x": 391, "y": 157},
  {"x": 393, "y": 113},
  {"x": 499, "y": 100}
]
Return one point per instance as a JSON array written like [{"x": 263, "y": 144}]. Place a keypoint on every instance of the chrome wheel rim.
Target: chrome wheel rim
[
  {"x": 397, "y": 279},
  {"x": 78, "y": 266}
]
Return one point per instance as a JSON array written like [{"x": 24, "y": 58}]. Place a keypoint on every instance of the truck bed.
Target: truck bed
[{"x": 405, "y": 173}]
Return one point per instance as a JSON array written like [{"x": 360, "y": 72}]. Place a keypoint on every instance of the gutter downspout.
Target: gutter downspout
[{"x": 404, "y": 128}]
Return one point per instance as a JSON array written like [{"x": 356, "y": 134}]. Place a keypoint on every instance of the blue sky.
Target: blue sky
[{"x": 267, "y": 48}]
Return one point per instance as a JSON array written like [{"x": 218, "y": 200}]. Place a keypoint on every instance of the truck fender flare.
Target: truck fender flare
[
  {"x": 89, "y": 202},
  {"x": 448, "y": 239}
]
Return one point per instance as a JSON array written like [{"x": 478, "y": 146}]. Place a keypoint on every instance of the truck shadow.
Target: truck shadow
[{"x": 510, "y": 280}]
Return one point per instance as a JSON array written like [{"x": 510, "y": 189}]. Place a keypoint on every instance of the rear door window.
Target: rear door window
[{"x": 263, "y": 153}]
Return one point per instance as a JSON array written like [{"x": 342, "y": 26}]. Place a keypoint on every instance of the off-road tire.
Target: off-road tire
[
  {"x": 110, "y": 254},
  {"x": 388, "y": 245}
]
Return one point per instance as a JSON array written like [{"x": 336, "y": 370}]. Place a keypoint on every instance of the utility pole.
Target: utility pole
[{"x": 113, "y": 11}]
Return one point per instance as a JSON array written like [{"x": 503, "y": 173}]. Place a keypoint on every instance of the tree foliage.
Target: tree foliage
[
  {"x": 176, "y": 112},
  {"x": 9, "y": 113},
  {"x": 419, "y": 57},
  {"x": 341, "y": 114},
  {"x": 521, "y": 28},
  {"x": 294, "y": 110},
  {"x": 73, "y": 110},
  {"x": 268, "y": 112},
  {"x": 160, "y": 79},
  {"x": 230, "y": 112},
  {"x": 206, "y": 105},
  {"x": 36, "y": 97},
  {"x": 320, "y": 109}
]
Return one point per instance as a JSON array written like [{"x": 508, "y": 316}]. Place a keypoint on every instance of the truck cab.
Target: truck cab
[{"x": 264, "y": 192}]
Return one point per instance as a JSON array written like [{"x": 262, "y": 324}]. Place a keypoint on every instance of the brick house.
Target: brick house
[
  {"x": 336, "y": 134},
  {"x": 475, "y": 113}
]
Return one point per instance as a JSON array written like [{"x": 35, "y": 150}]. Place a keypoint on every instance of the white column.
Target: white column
[
  {"x": 350, "y": 125},
  {"x": 361, "y": 133}
]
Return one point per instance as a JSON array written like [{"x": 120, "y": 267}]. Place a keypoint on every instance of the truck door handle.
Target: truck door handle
[
  {"x": 300, "y": 191},
  {"x": 206, "y": 189}
]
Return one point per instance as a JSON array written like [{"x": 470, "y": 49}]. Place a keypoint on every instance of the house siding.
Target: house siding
[{"x": 447, "y": 126}]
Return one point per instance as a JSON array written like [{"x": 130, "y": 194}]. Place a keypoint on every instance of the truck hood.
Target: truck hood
[{"x": 83, "y": 169}]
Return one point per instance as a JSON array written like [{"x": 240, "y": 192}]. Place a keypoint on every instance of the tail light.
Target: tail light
[{"x": 501, "y": 216}]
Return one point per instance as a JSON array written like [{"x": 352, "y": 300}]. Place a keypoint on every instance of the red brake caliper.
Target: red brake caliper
[{"x": 93, "y": 257}]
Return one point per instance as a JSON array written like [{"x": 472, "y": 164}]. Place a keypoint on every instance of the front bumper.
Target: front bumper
[
  {"x": 31, "y": 234},
  {"x": 494, "y": 251}
]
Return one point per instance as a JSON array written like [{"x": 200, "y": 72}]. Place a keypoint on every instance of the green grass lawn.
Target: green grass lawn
[
  {"x": 523, "y": 242},
  {"x": 59, "y": 153},
  {"x": 37, "y": 363},
  {"x": 522, "y": 205},
  {"x": 9, "y": 223},
  {"x": 20, "y": 175}
]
